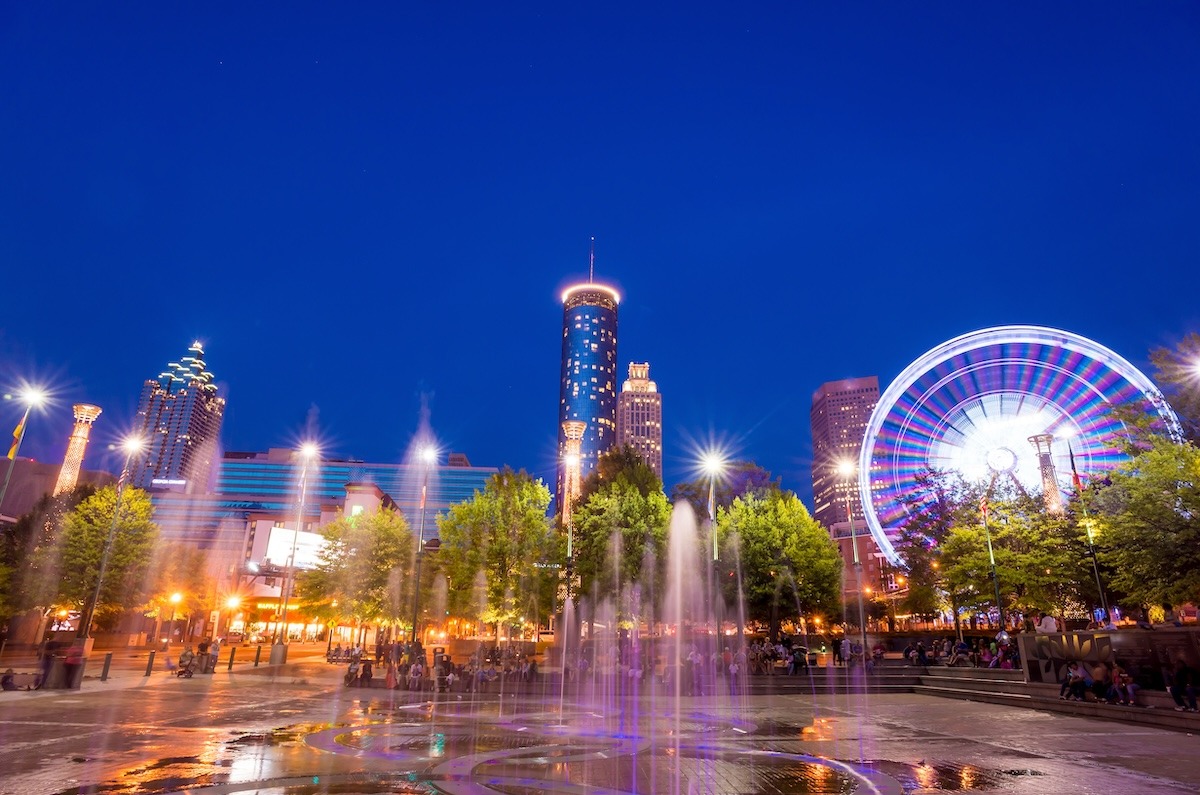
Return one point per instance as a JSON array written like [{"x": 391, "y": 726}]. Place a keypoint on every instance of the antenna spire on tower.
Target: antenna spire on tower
[{"x": 592, "y": 262}]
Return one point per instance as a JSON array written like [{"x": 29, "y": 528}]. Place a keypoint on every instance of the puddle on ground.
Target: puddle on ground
[{"x": 948, "y": 777}]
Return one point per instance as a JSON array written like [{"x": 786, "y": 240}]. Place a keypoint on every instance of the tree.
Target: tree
[
  {"x": 617, "y": 530},
  {"x": 1177, "y": 371},
  {"x": 85, "y": 533},
  {"x": 362, "y": 570},
  {"x": 1147, "y": 521},
  {"x": 29, "y": 566},
  {"x": 500, "y": 552},
  {"x": 623, "y": 464},
  {"x": 789, "y": 563},
  {"x": 739, "y": 479}
]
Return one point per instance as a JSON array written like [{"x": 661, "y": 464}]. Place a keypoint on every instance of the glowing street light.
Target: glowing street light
[
  {"x": 308, "y": 452},
  {"x": 427, "y": 455},
  {"x": 174, "y": 599},
  {"x": 847, "y": 469},
  {"x": 132, "y": 446},
  {"x": 33, "y": 398},
  {"x": 714, "y": 465}
]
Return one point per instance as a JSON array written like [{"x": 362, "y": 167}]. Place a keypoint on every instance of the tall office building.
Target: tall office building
[
  {"x": 180, "y": 417},
  {"x": 839, "y": 417},
  {"x": 588, "y": 387},
  {"x": 639, "y": 416},
  {"x": 68, "y": 476}
]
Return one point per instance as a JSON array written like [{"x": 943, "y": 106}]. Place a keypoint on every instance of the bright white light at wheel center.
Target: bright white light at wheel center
[
  {"x": 1001, "y": 459},
  {"x": 990, "y": 435}
]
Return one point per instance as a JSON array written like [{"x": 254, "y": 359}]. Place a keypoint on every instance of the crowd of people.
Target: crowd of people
[
  {"x": 405, "y": 668},
  {"x": 1000, "y": 652},
  {"x": 1113, "y": 683}
]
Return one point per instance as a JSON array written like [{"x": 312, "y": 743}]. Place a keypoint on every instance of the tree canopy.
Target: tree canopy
[
  {"x": 365, "y": 570},
  {"x": 790, "y": 566},
  {"x": 85, "y": 533},
  {"x": 1146, "y": 515},
  {"x": 500, "y": 553}
]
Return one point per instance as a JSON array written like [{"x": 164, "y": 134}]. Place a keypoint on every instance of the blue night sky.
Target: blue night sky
[{"x": 353, "y": 208}]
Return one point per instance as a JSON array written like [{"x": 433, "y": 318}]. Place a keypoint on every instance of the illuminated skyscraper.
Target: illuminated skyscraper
[
  {"x": 68, "y": 476},
  {"x": 639, "y": 416},
  {"x": 839, "y": 417},
  {"x": 180, "y": 417},
  {"x": 588, "y": 391}
]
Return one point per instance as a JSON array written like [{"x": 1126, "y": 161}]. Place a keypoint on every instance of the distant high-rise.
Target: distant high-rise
[
  {"x": 839, "y": 417},
  {"x": 639, "y": 416},
  {"x": 588, "y": 391},
  {"x": 180, "y": 417},
  {"x": 68, "y": 476}
]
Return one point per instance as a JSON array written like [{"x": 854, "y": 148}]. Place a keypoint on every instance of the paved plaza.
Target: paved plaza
[{"x": 295, "y": 729}]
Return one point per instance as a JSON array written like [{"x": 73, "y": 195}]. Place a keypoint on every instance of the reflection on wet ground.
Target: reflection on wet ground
[{"x": 263, "y": 736}]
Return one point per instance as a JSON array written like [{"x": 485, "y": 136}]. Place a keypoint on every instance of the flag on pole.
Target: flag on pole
[
  {"x": 1074, "y": 472},
  {"x": 18, "y": 432},
  {"x": 983, "y": 506}
]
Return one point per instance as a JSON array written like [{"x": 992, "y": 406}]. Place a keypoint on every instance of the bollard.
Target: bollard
[
  {"x": 232, "y": 652},
  {"x": 107, "y": 665},
  {"x": 150, "y": 663},
  {"x": 257, "y": 655}
]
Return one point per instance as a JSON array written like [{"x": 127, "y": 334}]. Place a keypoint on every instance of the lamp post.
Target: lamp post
[
  {"x": 428, "y": 458},
  {"x": 308, "y": 451},
  {"x": 175, "y": 599},
  {"x": 846, "y": 469},
  {"x": 713, "y": 464},
  {"x": 132, "y": 446},
  {"x": 33, "y": 398}
]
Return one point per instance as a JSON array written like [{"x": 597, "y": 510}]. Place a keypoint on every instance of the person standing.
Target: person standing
[
  {"x": 1046, "y": 624},
  {"x": 214, "y": 649}
]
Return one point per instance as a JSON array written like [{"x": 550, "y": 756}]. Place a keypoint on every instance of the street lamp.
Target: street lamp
[
  {"x": 714, "y": 466},
  {"x": 174, "y": 599},
  {"x": 428, "y": 458},
  {"x": 308, "y": 452},
  {"x": 132, "y": 446},
  {"x": 33, "y": 398},
  {"x": 846, "y": 469}
]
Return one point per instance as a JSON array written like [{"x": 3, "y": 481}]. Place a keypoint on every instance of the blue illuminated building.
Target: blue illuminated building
[
  {"x": 588, "y": 388},
  {"x": 258, "y": 486}
]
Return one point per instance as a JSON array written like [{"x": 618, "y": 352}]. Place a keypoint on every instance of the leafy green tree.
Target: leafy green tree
[
  {"x": 622, "y": 464},
  {"x": 501, "y": 541},
  {"x": 739, "y": 479},
  {"x": 29, "y": 566},
  {"x": 85, "y": 533},
  {"x": 788, "y": 561},
  {"x": 1177, "y": 372},
  {"x": 178, "y": 569},
  {"x": 1148, "y": 526},
  {"x": 617, "y": 530},
  {"x": 364, "y": 572}
]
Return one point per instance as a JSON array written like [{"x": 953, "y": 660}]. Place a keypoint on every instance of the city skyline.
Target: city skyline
[{"x": 783, "y": 199}]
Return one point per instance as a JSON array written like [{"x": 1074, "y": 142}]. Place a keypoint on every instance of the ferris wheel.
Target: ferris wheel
[{"x": 976, "y": 404}]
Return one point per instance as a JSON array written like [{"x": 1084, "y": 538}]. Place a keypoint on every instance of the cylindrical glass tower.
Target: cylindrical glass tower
[{"x": 588, "y": 386}]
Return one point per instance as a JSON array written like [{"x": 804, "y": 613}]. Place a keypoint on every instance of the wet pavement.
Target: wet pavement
[{"x": 296, "y": 730}]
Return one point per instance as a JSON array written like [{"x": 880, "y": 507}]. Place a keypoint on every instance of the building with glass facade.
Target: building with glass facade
[
  {"x": 838, "y": 419},
  {"x": 179, "y": 415},
  {"x": 588, "y": 384},
  {"x": 639, "y": 416}
]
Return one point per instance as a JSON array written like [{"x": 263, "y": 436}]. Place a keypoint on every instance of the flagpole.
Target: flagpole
[
  {"x": 1087, "y": 525},
  {"x": 18, "y": 437},
  {"x": 983, "y": 510}
]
